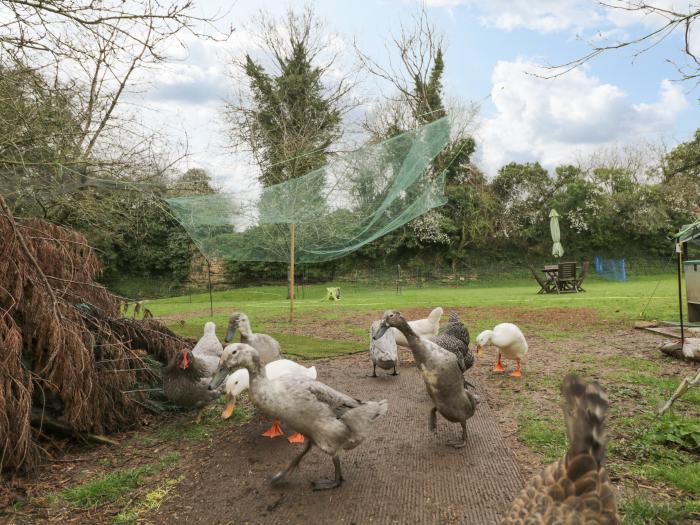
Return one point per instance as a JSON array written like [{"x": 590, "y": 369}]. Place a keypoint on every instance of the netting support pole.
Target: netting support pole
[
  {"x": 291, "y": 272},
  {"x": 211, "y": 298},
  {"x": 679, "y": 254}
]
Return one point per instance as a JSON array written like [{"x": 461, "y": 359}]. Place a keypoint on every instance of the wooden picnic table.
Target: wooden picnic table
[
  {"x": 569, "y": 281},
  {"x": 552, "y": 271}
]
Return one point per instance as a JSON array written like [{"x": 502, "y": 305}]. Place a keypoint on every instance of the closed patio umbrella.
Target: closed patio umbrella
[{"x": 557, "y": 248}]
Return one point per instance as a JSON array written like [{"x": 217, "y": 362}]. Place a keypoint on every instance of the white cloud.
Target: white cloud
[
  {"x": 545, "y": 16},
  {"x": 548, "y": 16},
  {"x": 183, "y": 99},
  {"x": 553, "y": 121}
]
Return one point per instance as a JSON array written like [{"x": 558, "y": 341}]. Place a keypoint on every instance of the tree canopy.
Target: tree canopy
[{"x": 290, "y": 116}]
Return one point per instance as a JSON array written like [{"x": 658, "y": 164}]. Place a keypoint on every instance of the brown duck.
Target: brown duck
[
  {"x": 576, "y": 488},
  {"x": 185, "y": 382}
]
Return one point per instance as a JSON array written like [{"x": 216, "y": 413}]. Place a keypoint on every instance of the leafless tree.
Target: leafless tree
[
  {"x": 642, "y": 160},
  {"x": 59, "y": 27},
  {"x": 82, "y": 56},
  {"x": 303, "y": 134},
  {"x": 410, "y": 60},
  {"x": 668, "y": 21},
  {"x": 416, "y": 45}
]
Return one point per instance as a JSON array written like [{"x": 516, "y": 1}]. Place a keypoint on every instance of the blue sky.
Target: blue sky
[{"x": 611, "y": 101}]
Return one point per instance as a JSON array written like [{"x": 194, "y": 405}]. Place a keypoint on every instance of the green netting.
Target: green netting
[
  {"x": 689, "y": 233},
  {"x": 355, "y": 199}
]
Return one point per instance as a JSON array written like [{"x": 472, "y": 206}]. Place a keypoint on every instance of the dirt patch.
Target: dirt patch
[
  {"x": 402, "y": 470},
  {"x": 564, "y": 321},
  {"x": 594, "y": 357},
  {"x": 401, "y": 465}
]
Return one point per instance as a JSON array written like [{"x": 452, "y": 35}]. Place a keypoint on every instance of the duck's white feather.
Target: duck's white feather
[
  {"x": 208, "y": 349},
  {"x": 239, "y": 381},
  {"x": 507, "y": 337},
  {"x": 427, "y": 327}
]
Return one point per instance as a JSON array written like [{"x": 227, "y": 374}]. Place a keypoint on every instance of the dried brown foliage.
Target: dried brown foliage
[{"x": 65, "y": 351}]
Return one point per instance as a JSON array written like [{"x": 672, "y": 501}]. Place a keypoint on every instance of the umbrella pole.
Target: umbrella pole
[{"x": 680, "y": 291}]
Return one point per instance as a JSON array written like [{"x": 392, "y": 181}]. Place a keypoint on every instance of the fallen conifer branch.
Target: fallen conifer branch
[{"x": 63, "y": 338}]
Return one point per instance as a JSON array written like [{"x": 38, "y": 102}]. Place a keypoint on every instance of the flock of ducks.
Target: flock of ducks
[{"x": 575, "y": 489}]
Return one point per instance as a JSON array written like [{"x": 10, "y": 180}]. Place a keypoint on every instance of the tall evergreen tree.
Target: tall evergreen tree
[
  {"x": 428, "y": 95},
  {"x": 291, "y": 116}
]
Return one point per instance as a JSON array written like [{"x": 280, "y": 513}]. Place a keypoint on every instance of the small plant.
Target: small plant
[
  {"x": 152, "y": 501},
  {"x": 683, "y": 433},
  {"x": 112, "y": 486},
  {"x": 542, "y": 434}
]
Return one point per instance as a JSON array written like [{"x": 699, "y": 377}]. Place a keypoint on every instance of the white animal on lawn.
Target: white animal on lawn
[
  {"x": 422, "y": 327},
  {"x": 510, "y": 342},
  {"x": 239, "y": 381},
  {"x": 208, "y": 350}
]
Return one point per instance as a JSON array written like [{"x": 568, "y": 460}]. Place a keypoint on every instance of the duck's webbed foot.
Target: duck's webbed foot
[
  {"x": 326, "y": 484},
  {"x": 279, "y": 478},
  {"x": 432, "y": 421},
  {"x": 394, "y": 373},
  {"x": 274, "y": 431},
  {"x": 460, "y": 443}
]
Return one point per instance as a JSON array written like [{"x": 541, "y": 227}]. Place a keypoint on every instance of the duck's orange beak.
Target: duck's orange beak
[{"x": 230, "y": 407}]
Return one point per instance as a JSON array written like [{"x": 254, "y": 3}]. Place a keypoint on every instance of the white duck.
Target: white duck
[
  {"x": 510, "y": 342},
  {"x": 208, "y": 350},
  {"x": 239, "y": 381},
  {"x": 427, "y": 327}
]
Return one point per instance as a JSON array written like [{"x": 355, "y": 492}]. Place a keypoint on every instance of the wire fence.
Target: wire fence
[{"x": 389, "y": 276}]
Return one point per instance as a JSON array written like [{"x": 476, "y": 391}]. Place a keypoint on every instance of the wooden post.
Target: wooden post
[
  {"x": 679, "y": 254},
  {"x": 291, "y": 272},
  {"x": 211, "y": 297}
]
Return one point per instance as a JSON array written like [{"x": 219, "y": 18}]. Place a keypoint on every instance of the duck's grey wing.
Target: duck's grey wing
[
  {"x": 383, "y": 351},
  {"x": 267, "y": 346},
  {"x": 338, "y": 402},
  {"x": 208, "y": 346}
]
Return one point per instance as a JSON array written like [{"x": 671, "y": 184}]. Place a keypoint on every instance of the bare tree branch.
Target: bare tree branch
[{"x": 669, "y": 21}]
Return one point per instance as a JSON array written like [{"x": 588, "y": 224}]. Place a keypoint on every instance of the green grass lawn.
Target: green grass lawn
[
  {"x": 657, "y": 452},
  {"x": 625, "y": 299},
  {"x": 640, "y": 298}
]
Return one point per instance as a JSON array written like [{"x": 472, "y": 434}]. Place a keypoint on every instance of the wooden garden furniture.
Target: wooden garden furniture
[
  {"x": 582, "y": 276},
  {"x": 547, "y": 285},
  {"x": 566, "y": 278}
]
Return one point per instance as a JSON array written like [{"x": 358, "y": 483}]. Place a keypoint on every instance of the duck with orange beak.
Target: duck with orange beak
[{"x": 510, "y": 342}]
